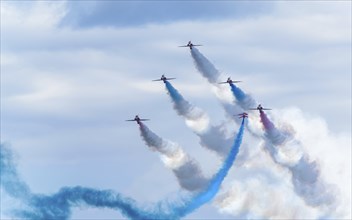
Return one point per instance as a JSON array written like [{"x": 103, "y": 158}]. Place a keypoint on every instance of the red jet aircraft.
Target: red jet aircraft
[
  {"x": 137, "y": 119},
  {"x": 190, "y": 45},
  {"x": 163, "y": 78}
]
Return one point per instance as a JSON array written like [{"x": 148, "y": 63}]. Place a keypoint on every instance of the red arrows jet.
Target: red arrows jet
[
  {"x": 137, "y": 119},
  {"x": 190, "y": 45},
  {"x": 229, "y": 81},
  {"x": 163, "y": 78},
  {"x": 243, "y": 115},
  {"x": 260, "y": 108}
]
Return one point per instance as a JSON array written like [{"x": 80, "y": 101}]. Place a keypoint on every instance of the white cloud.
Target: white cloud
[{"x": 32, "y": 15}]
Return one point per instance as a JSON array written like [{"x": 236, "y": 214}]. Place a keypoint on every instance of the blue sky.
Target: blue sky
[{"x": 72, "y": 72}]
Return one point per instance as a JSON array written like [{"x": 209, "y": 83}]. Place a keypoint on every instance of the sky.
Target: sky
[{"x": 72, "y": 72}]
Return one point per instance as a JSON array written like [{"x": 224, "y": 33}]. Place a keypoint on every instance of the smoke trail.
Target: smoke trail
[
  {"x": 282, "y": 147},
  {"x": 209, "y": 71},
  {"x": 204, "y": 66},
  {"x": 214, "y": 185},
  {"x": 12, "y": 183},
  {"x": 196, "y": 118},
  {"x": 58, "y": 205},
  {"x": 187, "y": 171},
  {"x": 211, "y": 137},
  {"x": 244, "y": 100},
  {"x": 307, "y": 183},
  {"x": 237, "y": 92},
  {"x": 271, "y": 132},
  {"x": 214, "y": 139},
  {"x": 306, "y": 178}
]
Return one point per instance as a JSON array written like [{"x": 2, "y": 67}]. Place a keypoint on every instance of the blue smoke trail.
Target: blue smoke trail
[
  {"x": 237, "y": 92},
  {"x": 209, "y": 193},
  {"x": 181, "y": 105},
  {"x": 13, "y": 185},
  {"x": 243, "y": 99},
  {"x": 58, "y": 205}
]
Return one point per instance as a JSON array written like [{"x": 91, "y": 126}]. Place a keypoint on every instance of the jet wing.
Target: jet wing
[
  {"x": 170, "y": 78},
  {"x": 183, "y": 46},
  {"x": 267, "y": 109},
  {"x": 229, "y": 82},
  {"x": 157, "y": 80},
  {"x": 243, "y": 114},
  {"x": 196, "y": 45},
  {"x": 144, "y": 119}
]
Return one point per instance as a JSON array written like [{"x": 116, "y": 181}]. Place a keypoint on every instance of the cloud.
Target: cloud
[{"x": 122, "y": 14}]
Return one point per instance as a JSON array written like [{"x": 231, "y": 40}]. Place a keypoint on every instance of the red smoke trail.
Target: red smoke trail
[{"x": 268, "y": 125}]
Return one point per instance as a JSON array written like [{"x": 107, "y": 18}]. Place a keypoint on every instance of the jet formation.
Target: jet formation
[{"x": 229, "y": 81}]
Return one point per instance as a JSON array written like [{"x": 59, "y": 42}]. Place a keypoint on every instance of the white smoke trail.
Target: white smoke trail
[
  {"x": 284, "y": 149},
  {"x": 305, "y": 173},
  {"x": 205, "y": 67},
  {"x": 187, "y": 171},
  {"x": 211, "y": 137},
  {"x": 311, "y": 159},
  {"x": 212, "y": 74},
  {"x": 234, "y": 100}
]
